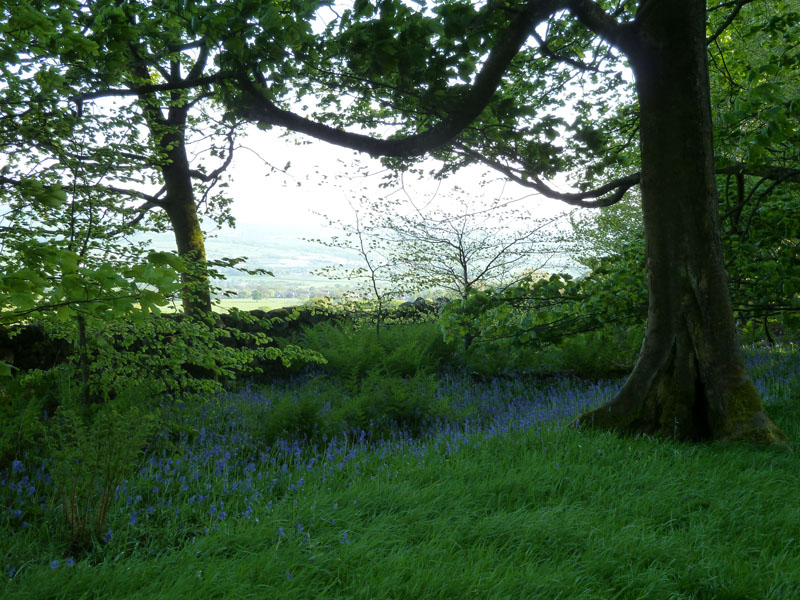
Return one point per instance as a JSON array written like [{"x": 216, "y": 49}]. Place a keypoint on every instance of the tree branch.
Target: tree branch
[
  {"x": 261, "y": 109},
  {"x": 784, "y": 174},
  {"x": 595, "y": 19},
  {"x": 183, "y": 84},
  {"x": 205, "y": 178},
  {"x": 546, "y": 51},
  {"x": 605, "y": 195},
  {"x": 737, "y": 6}
]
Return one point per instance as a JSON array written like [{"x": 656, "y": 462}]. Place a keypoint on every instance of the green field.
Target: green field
[{"x": 226, "y": 304}]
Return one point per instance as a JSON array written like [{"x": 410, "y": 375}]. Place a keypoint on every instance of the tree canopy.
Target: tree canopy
[{"x": 532, "y": 89}]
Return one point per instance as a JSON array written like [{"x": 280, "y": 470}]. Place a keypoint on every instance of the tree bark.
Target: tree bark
[
  {"x": 690, "y": 381},
  {"x": 196, "y": 293},
  {"x": 180, "y": 205},
  {"x": 181, "y": 209}
]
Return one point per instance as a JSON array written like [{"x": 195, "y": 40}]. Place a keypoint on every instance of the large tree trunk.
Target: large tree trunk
[{"x": 690, "y": 380}]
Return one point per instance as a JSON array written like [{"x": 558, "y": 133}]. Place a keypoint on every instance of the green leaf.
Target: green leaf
[{"x": 6, "y": 369}]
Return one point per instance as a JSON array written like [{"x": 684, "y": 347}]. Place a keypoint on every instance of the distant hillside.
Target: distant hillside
[
  {"x": 282, "y": 251},
  {"x": 291, "y": 259}
]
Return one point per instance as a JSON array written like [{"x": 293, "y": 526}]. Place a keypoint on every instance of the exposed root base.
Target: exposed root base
[{"x": 757, "y": 429}]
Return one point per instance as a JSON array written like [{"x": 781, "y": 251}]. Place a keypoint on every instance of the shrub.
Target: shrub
[
  {"x": 25, "y": 402},
  {"x": 90, "y": 456},
  {"x": 387, "y": 403},
  {"x": 401, "y": 350}
]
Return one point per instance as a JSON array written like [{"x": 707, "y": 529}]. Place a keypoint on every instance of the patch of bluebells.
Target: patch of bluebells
[
  {"x": 219, "y": 470},
  {"x": 23, "y": 493},
  {"x": 775, "y": 371}
]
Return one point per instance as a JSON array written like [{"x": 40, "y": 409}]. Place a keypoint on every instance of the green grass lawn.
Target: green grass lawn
[
  {"x": 516, "y": 505},
  {"x": 262, "y": 304}
]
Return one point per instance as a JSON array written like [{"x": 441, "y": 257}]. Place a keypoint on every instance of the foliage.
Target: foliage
[
  {"x": 760, "y": 239},
  {"x": 755, "y": 73},
  {"x": 91, "y": 459},
  {"x": 355, "y": 353},
  {"x": 20, "y": 414},
  {"x": 171, "y": 355},
  {"x": 122, "y": 158},
  {"x": 327, "y": 409},
  {"x": 540, "y": 312},
  {"x": 476, "y": 492}
]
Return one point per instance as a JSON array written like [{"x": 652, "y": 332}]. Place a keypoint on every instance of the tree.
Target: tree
[
  {"x": 760, "y": 229},
  {"x": 58, "y": 256},
  {"x": 71, "y": 173},
  {"x": 690, "y": 380},
  {"x": 160, "y": 63},
  {"x": 401, "y": 64},
  {"x": 149, "y": 44},
  {"x": 380, "y": 277},
  {"x": 468, "y": 248}
]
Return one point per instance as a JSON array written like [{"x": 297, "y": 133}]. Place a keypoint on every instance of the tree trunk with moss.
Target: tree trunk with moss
[
  {"x": 690, "y": 381},
  {"x": 181, "y": 209},
  {"x": 179, "y": 203}
]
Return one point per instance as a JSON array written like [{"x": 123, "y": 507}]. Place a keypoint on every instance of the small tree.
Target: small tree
[
  {"x": 379, "y": 277},
  {"x": 476, "y": 244}
]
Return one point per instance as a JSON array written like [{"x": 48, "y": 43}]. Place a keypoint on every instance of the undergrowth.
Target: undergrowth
[{"x": 402, "y": 482}]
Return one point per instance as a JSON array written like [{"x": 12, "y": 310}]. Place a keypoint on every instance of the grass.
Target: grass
[
  {"x": 262, "y": 304},
  {"x": 495, "y": 498}
]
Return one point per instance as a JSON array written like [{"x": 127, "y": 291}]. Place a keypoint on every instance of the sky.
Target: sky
[{"x": 322, "y": 178}]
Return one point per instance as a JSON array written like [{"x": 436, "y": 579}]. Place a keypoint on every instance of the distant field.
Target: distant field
[{"x": 263, "y": 304}]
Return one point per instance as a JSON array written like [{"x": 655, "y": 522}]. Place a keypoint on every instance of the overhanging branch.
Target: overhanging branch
[
  {"x": 600, "y": 197},
  {"x": 260, "y": 108},
  {"x": 783, "y": 174}
]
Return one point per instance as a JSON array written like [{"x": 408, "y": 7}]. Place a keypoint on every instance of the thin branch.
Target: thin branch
[
  {"x": 205, "y": 178},
  {"x": 737, "y": 6},
  {"x": 605, "y": 195},
  {"x": 183, "y": 84},
  {"x": 108, "y": 189},
  {"x": 546, "y": 51},
  {"x": 142, "y": 212}
]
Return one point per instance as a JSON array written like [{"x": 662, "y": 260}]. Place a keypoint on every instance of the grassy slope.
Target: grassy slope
[
  {"x": 545, "y": 515},
  {"x": 540, "y": 513}
]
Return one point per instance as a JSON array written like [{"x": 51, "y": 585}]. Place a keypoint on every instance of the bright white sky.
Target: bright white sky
[{"x": 327, "y": 177}]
